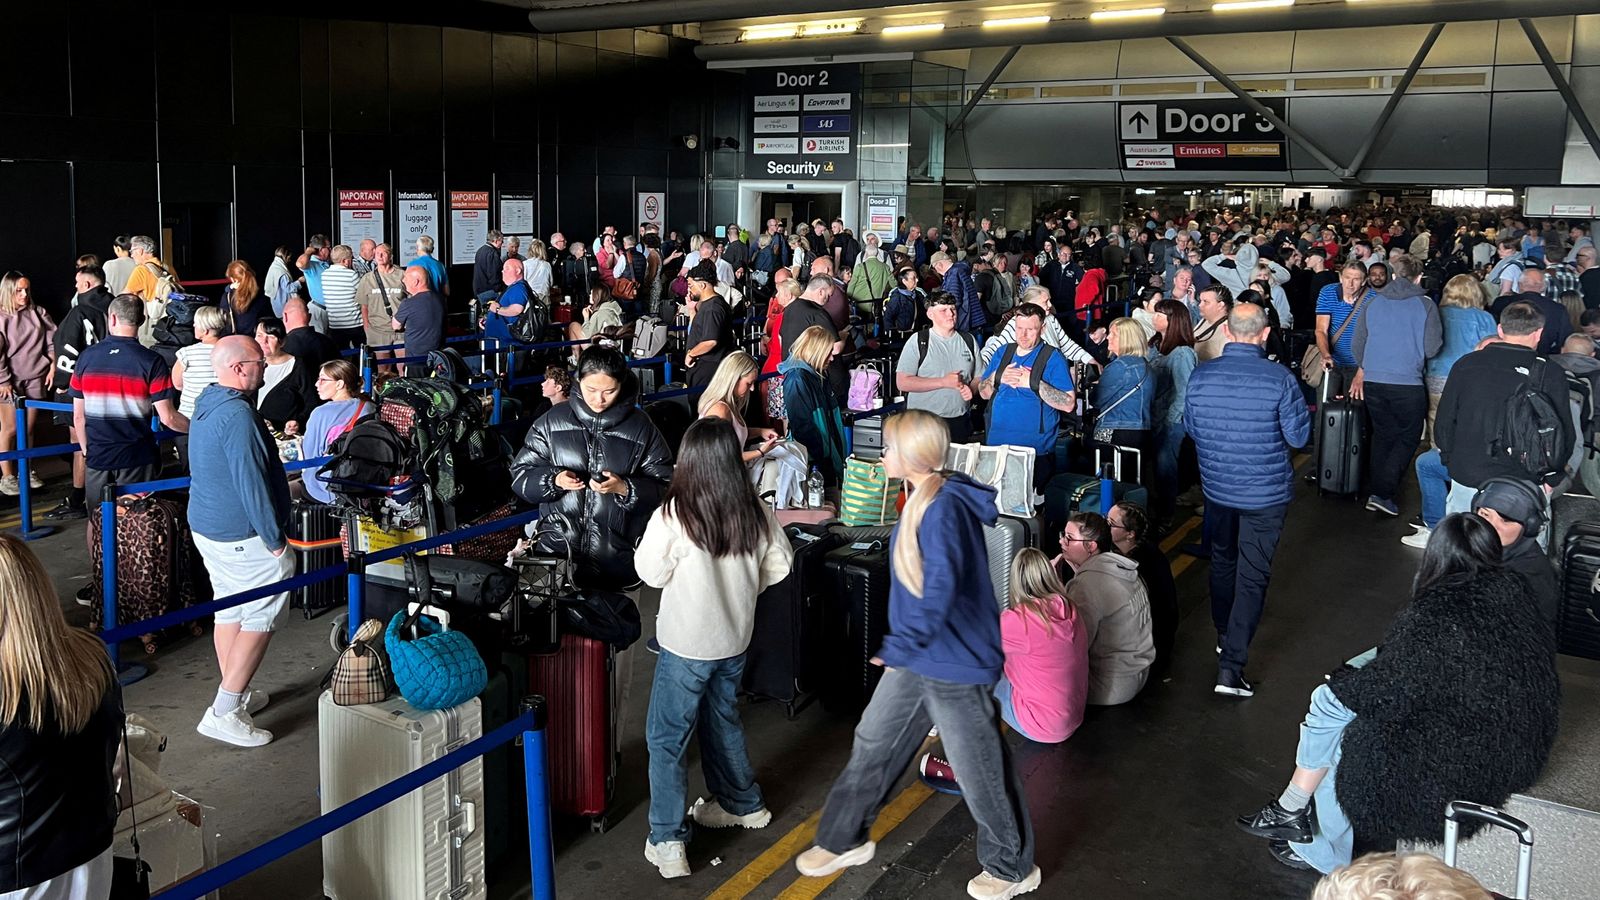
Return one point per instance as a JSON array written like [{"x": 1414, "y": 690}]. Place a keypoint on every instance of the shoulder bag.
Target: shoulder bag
[{"x": 1312, "y": 362}]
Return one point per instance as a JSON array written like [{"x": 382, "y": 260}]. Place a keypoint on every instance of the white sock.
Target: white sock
[{"x": 226, "y": 702}]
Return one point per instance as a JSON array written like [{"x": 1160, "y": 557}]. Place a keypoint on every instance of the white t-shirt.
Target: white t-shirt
[
  {"x": 198, "y": 374},
  {"x": 276, "y": 372},
  {"x": 339, "y": 296}
]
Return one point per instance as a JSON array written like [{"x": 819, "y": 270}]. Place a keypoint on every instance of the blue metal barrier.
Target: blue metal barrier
[{"x": 529, "y": 726}]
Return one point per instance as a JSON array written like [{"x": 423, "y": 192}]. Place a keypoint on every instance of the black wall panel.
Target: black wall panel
[{"x": 236, "y": 128}]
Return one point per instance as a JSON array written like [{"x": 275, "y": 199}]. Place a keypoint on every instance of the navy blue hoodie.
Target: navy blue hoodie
[{"x": 952, "y": 632}]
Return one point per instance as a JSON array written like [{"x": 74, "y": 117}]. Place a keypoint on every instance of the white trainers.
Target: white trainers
[
  {"x": 34, "y": 481},
  {"x": 712, "y": 815},
  {"x": 256, "y": 701},
  {"x": 1417, "y": 539},
  {"x": 818, "y": 862},
  {"x": 234, "y": 728},
  {"x": 669, "y": 857},
  {"x": 988, "y": 887},
  {"x": 10, "y": 486}
]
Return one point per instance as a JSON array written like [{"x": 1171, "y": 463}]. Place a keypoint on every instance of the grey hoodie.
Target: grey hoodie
[
  {"x": 1111, "y": 600},
  {"x": 1397, "y": 332}
]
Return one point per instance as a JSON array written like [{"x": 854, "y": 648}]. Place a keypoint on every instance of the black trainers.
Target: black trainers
[
  {"x": 1283, "y": 853},
  {"x": 1233, "y": 684},
  {"x": 1276, "y": 823},
  {"x": 67, "y": 510}
]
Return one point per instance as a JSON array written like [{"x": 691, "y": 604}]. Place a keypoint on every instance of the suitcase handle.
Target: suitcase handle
[{"x": 1457, "y": 810}]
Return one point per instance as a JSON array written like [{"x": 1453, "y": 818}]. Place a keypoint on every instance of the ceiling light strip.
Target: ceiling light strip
[
  {"x": 1019, "y": 20},
  {"x": 1234, "y": 5},
  {"x": 913, "y": 29},
  {"x": 1146, "y": 12}
]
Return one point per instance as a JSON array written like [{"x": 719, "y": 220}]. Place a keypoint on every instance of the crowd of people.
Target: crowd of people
[{"x": 1158, "y": 334}]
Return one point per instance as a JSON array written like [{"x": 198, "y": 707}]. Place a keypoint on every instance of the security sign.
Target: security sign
[{"x": 801, "y": 121}]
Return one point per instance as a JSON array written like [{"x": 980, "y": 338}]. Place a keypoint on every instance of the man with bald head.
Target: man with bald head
[
  {"x": 304, "y": 342},
  {"x": 365, "y": 257},
  {"x": 240, "y": 521},
  {"x": 502, "y": 312},
  {"x": 420, "y": 318}
]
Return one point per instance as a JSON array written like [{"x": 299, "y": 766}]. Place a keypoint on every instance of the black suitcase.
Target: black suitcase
[
  {"x": 786, "y": 647},
  {"x": 317, "y": 522},
  {"x": 857, "y": 612},
  {"x": 1577, "y": 628},
  {"x": 1341, "y": 444},
  {"x": 866, "y": 437},
  {"x": 671, "y": 417}
]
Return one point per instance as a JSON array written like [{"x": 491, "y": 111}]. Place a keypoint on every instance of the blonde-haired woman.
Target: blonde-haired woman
[
  {"x": 941, "y": 659},
  {"x": 60, "y": 723},
  {"x": 727, "y": 397},
  {"x": 26, "y": 336},
  {"x": 192, "y": 371},
  {"x": 1126, "y": 389},
  {"x": 536, "y": 270},
  {"x": 1465, "y": 323},
  {"x": 810, "y": 406}
]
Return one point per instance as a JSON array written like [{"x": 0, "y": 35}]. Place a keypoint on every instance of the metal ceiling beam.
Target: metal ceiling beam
[
  {"x": 1260, "y": 108},
  {"x": 1354, "y": 171},
  {"x": 598, "y": 16},
  {"x": 984, "y": 88},
  {"x": 1066, "y": 31},
  {"x": 1562, "y": 85}
]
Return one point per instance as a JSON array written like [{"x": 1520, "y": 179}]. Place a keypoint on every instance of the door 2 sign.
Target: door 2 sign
[{"x": 1212, "y": 134}]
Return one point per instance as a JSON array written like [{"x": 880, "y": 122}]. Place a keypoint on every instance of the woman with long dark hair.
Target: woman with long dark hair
[
  {"x": 1461, "y": 699},
  {"x": 712, "y": 548},
  {"x": 941, "y": 658},
  {"x": 599, "y": 462},
  {"x": 1174, "y": 363}
]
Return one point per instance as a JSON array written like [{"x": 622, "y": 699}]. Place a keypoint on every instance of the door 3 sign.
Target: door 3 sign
[{"x": 1200, "y": 134}]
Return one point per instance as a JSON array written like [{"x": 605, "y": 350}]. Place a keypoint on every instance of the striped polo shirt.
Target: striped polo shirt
[
  {"x": 119, "y": 382},
  {"x": 339, "y": 296}
]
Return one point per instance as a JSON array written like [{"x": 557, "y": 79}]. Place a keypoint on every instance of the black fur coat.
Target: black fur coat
[{"x": 1461, "y": 703}]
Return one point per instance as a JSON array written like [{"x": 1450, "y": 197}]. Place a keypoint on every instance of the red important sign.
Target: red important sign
[
  {"x": 469, "y": 199},
  {"x": 361, "y": 199}
]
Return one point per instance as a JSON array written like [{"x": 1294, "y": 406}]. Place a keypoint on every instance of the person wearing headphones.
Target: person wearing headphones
[{"x": 1516, "y": 509}]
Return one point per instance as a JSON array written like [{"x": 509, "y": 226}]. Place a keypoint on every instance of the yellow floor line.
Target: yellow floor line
[
  {"x": 1176, "y": 538},
  {"x": 771, "y": 860},
  {"x": 1182, "y": 565},
  {"x": 889, "y": 819}
]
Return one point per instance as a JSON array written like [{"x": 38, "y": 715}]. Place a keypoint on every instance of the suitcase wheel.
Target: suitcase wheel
[
  {"x": 599, "y": 824},
  {"x": 336, "y": 637}
]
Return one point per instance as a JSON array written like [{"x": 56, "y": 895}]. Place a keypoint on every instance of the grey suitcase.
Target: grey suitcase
[
  {"x": 1004, "y": 540},
  {"x": 1457, "y": 810}
]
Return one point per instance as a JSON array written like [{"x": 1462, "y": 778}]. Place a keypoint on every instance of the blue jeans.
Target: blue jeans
[
  {"x": 1434, "y": 480},
  {"x": 1169, "y": 444},
  {"x": 1321, "y": 736},
  {"x": 692, "y": 695},
  {"x": 1008, "y": 710}
]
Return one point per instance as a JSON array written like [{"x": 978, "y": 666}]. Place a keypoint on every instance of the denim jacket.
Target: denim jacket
[{"x": 1123, "y": 394}]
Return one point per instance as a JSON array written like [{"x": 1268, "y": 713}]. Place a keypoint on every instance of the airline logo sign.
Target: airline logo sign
[
  {"x": 775, "y": 124},
  {"x": 826, "y": 145},
  {"x": 1211, "y": 134},
  {"x": 775, "y": 146},
  {"x": 775, "y": 104},
  {"x": 801, "y": 121}
]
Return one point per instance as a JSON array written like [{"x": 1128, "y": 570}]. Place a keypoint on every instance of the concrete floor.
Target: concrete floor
[{"x": 1138, "y": 804}]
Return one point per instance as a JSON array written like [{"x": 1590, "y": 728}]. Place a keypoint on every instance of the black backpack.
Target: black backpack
[
  {"x": 1530, "y": 429},
  {"x": 366, "y": 459},
  {"x": 449, "y": 364},
  {"x": 530, "y": 325}
]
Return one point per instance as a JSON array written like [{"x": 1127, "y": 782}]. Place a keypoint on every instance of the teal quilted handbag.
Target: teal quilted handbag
[{"x": 433, "y": 668}]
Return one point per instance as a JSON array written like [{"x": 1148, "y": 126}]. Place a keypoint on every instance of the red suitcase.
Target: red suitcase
[{"x": 579, "y": 684}]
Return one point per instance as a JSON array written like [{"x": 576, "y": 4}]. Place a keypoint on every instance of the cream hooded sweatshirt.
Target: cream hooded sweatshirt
[{"x": 1115, "y": 609}]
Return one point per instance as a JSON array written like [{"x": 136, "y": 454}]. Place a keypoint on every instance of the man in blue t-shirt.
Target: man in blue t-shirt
[
  {"x": 1029, "y": 385},
  {"x": 438, "y": 279},
  {"x": 1337, "y": 319},
  {"x": 502, "y": 312}
]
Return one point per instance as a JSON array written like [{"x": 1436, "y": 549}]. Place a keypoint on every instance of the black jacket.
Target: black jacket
[
  {"x": 1461, "y": 702},
  {"x": 1527, "y": 559},
  {"x": 58, "y": 804},
  {"x": 621, "y": 440},
  {"x": 1472, "y": 410},
  {"x": 486, "y": 270},
  {"x": 83, "y": 325},
  {"x": 578, "y": 276},
  {"x": 291, "y": 399},
  {"x": 311, "y": 347}
]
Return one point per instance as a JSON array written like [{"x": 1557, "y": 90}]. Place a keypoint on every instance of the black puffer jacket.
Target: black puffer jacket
[
  {"x": 1461, "y": 703},
  {"x": 622, "y": 440},
  {"x": 58, "y": 804}
]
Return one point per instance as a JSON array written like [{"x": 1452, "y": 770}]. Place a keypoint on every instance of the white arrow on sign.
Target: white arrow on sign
[{"x": 1138, "y": 121}]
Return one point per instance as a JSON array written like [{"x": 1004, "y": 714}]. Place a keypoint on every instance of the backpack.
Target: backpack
[
  {"x": 865, "y": 383},
  {"x": 902, "y": 312},
  {"x": 649, "y": 337},
  {"x": 366, "y": 460},
  {"x": 166, "y": 284},
  {"x": 530, "y": 325},
  {"x": 449, "y": 439},
  {"x": 447, "y": 363},
  {"x": 1531, "y": 427},
  {"x": 1035, "y": 373},
  {"x": 972, "y": 344}
]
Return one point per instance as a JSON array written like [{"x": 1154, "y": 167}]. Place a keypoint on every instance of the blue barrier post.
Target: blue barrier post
[
  {"x": 666, "y": 370},
  {"x": 541, "y": 849},
  {"x": 356, "y": 582},
  {"x": 365, "y": 362},
  {"x": 108, "y": 566},
  {"x": 24, "y": 476},
  {"x": 1107, "y": 492}
]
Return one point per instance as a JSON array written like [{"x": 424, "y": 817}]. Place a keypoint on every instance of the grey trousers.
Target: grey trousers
[{"x": 893, "y": 726}]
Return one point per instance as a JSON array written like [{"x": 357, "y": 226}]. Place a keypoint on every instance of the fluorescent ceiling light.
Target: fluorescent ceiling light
[
  {"x": 1146, "y": 12},
  {"x": 1020, "y": 20},
  {"x": 877, "y": 146},
  {"x": 769, "y": 32},
  {"x": 1231, "y": 5},
  {"x": 913, "y": 29}
]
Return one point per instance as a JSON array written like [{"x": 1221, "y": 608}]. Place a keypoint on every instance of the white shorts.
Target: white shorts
[{"x": 238, "y": 566}]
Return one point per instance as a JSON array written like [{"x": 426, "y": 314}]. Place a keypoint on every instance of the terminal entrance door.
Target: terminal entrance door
[{"x": 792, "y": 208}]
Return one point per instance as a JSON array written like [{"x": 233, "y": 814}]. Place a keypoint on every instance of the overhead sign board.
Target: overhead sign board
[
  {"x": 814, "y": 143},
  {"x": 1201, "y": 134}
]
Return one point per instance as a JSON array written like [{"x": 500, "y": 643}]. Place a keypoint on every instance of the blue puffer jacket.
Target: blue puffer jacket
[
  {"x": 1245, "y": 414},
  {"x": 1124, "y": 392},
  {"x": 970, "y": 314}
]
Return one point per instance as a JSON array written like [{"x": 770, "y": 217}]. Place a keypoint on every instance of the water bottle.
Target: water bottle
[{"x": 814, "y": 489}]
